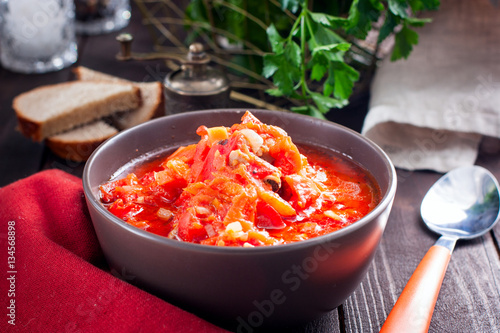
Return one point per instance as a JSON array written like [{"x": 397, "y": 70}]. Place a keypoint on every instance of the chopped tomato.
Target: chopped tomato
[
  {"x": 268, "y": 217},
  {"x": 190, "y": 228},
  {"x": 286, "y": 156}
]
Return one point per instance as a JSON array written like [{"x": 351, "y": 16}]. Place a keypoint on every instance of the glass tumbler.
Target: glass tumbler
[
  {"x": 95, "y": 17},
  {"x": 37, "y": 36}
]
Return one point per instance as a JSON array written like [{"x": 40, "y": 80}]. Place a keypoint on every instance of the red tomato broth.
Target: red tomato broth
[{"x": 246, "y": 185}]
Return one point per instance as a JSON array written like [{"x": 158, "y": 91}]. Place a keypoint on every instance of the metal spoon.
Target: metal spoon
[{"x": 462, "y": 204}]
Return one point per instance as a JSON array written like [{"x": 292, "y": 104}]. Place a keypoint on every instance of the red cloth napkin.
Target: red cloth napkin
[{"x": 54, "y": 284}]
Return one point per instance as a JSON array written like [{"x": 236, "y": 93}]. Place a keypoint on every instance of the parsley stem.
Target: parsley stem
[{"x": 303, "y": 50}]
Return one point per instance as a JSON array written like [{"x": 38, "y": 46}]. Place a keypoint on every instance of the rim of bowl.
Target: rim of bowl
[{"x": 382, "y": 205}]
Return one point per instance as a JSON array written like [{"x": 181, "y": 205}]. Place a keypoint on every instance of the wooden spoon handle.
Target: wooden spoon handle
[{"x": 414, "y": 307}]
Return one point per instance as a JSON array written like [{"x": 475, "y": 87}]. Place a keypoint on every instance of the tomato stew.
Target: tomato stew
[{"x": 246, "y": 185}]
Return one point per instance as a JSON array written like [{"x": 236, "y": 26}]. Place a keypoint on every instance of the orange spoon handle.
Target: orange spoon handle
[{"x": 414, "y": 307}]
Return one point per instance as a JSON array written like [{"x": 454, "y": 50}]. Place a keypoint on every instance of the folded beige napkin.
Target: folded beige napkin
[{"x": 431, "y": 110}]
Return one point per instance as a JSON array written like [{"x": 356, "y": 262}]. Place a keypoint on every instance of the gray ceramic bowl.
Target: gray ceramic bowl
[{"x": 241, "y": 288}]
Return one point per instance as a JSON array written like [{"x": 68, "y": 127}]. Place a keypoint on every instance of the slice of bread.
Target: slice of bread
[
  {"x": 152, "y": 97},
  {"x": 52, "y": 109},
  {"x": 79, "y": 143},
  {"x": 86, "y": 74}
]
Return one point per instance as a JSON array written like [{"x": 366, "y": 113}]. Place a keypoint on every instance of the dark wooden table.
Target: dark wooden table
[{"x": 470, "y": 296}]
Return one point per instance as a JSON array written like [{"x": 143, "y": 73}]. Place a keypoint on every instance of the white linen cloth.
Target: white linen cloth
[{"x": 431, "y": 110}]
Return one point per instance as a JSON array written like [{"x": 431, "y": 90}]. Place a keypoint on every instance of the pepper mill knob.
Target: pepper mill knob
[
  {"x": 125, "y": 40},
  {"x": 197, "y": 53},
  {"x": 196, "y": 48}
]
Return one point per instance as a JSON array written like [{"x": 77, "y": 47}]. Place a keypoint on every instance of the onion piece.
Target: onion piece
[
  {"x": 164, "y": 213},
  {"x": 254, "y": 140}
]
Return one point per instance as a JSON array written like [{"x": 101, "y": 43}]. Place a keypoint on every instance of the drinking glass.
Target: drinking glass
[
  {"x": 95, "y": 17},
  {"x": 37, "y": 36}
]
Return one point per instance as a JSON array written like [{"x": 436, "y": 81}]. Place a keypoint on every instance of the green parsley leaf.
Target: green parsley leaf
[
  {"x": 322, "y": 35},
  {"x": 390, "y": 23},
  {"x": 329, "y": 21},
  {"x": 335, "y": 47},
  {"x": 344, "y": 77},
  {"x": 318, "y": 71},
  {"x": 293, "y": 54},
  {"x": 284, "y": 67},
  {"x": 275, "y": 92},
  {"x": 308, "y": 110},
  {"x": 325, "y": 103},
  {"x": 361, "y": 16},
  {"x": 275, "y": 39},
  {"x": 271, "y": 64},
  {"x": 291, "y": 5},
  {"x": 405, "y": 39},
  {"x": 416, "y": 22},
  {"x": 417, "y": 5},
  {"x": 398, "y": 8}
]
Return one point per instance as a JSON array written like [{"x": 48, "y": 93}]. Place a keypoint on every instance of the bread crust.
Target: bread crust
[
  {"x": 86, "y": 74},
  {"x": 78, "y": 144},
  {"x": 153, "y": 107},
  {"x": 78, "y": 151},
  {"x": 28, "y": 128},
  {"x": 160, "y": 109}
]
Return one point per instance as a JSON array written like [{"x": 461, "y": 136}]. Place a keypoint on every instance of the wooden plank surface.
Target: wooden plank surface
[{"x": 469, "y": 299}]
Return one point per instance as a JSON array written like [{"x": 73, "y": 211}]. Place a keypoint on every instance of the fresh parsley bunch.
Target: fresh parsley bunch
[{"x": 316, "y": 46}]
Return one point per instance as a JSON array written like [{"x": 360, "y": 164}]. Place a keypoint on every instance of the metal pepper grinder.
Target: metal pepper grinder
[{"x": 195, "y": 86}]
